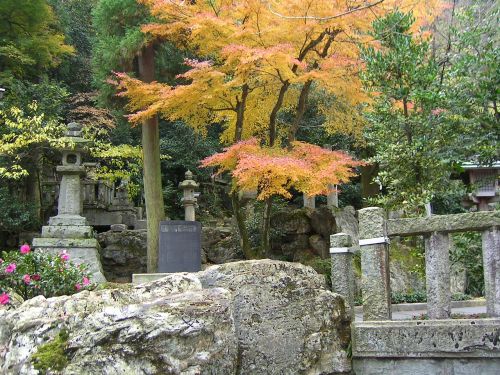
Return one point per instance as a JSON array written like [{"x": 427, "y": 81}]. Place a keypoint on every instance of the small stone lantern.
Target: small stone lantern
[
  {"x": 189, "y": 199},
  {"x": 485, "y": 181}
]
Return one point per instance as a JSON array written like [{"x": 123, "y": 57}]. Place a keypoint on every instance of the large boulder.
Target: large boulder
[
  {"x": 255, "y": 317},
  {"x": 123, "y": 253},
  {"x": 286, "y": 320},
  {"x": 170, "y": 326},
  {"x": 220, "y": 245}
]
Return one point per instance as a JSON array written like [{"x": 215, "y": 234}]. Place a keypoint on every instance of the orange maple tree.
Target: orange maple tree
[{"x": 274, "y": 171}]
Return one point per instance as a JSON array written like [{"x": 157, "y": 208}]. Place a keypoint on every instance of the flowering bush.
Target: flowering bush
[{"x": 32, "y": 273}]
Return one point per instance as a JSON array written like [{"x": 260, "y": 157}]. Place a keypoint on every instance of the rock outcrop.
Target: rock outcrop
[
  {"x": 256, "y": 317},
  {"x": 286, "y": 321}
]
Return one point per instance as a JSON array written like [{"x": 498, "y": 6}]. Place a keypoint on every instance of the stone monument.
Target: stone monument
[{"x": 69, "y": 230}]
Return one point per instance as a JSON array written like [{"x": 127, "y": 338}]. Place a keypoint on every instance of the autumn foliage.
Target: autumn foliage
[{"x": 274, "y": 171}]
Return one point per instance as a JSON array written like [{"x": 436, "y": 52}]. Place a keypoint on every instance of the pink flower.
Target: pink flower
[
  {"x": 4, "y": 299},
  {"x": 85, "y": 281},
  {"x": 10, "y": 268},
  {"x": 78, "y": 286},
  {"x": 64, "y": 256},
  {"x": 36, "y": 277},
  {"x": 26, "y": 279},
  {"x": 25, "y": 249}
]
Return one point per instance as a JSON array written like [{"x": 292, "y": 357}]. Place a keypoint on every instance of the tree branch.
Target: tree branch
[{"x": 324, "y": 18}]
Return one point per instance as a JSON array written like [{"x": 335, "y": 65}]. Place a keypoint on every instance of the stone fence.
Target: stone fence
[
  {"x": 374, "y": 233},
  {"x": 419, "y": 347}
]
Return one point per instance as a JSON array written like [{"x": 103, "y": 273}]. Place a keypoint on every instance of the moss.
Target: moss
[
  {"x": 51, "y": 355},
  {"x": 110, "y": 285}
]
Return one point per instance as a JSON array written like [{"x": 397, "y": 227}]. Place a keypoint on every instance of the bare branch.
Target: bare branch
[{"x": 324, "y": 18}]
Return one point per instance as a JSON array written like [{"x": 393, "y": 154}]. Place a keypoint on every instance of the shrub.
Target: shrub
[{"x": 32, "y": 273}]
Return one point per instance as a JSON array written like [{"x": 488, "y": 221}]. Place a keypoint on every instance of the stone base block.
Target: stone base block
[
  {"x": 68, "y": 220},
  {"x": 412, "y": 366},
  {"x": 446, "y": 338},
  {"x": 141, "y": 278},
  {"x": 79, "y": 250},
  {"x": 67, "y": 231}
]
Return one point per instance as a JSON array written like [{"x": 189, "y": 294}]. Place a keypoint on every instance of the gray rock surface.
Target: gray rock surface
[
  {"x": 286, "y": 321},
  {"x": 170, "y": 326},
  {"x": 123, "y": 253},
  {"x": 220, "y": 245},
  {"x": 254, "y": 317}
]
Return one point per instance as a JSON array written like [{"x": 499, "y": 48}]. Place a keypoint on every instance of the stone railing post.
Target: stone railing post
[
  {"x": 332, "y": 199},
  {"x": 341, "y": 253},
  {"x": 437, "y": 271},
  {"x": 375, "y": 281},
  {"x": 491, "y": 265},
  {"x": 309, "y": 201}
]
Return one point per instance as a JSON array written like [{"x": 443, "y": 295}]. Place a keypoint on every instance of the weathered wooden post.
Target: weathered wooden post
[
  {"x": 189, "y": 200},
  {"x": 375, "y": 277},
  {"x": 341, "y": 253},
  {"x": 437, "y": 269}
]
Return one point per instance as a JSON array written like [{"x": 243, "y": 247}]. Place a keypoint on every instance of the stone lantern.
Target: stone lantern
[
  {"x": 69, "y": 230},
  {"x": 189, "y": 199},
  {"x": 485, "y": 182}
]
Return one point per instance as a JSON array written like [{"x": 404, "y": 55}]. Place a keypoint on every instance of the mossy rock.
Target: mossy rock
[{"x": 51, "y": 356}]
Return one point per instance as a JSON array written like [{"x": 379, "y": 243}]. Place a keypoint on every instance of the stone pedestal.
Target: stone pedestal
[
  {"x": 69, "y": 230},
  {"x": 375, "y": 275},
  {"x": 437, "y": 268},
  {"x": 491, "y": 264},
  {"x": 343, "y": 283}
]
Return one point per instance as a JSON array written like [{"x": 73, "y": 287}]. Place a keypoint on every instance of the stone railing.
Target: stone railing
[
  {"x": 374, "y": 233},
  {"x": 97, "y": 193}
]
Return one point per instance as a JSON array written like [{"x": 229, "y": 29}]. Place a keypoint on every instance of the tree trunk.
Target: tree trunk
[
  {"x": 235, "y": 201},
  {"x": 155, "y": 210},
  {"x": 242, "y": 228},
  {"x": 33, "y": 189}
]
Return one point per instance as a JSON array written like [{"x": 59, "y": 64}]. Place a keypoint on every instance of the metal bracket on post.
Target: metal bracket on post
[
  {"x": 340, "y": 250},
  {"x": 374, "y": 241}
]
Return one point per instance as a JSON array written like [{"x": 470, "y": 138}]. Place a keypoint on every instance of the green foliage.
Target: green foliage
[
  {"x": 118, "y": 38},
  {"x": 421, "y": 296},
  {"x": 15, "y": 215},
  {"x": 51, "y": 356},
  {"x": 473, "y": 79},
  {"x": 23, "y": 134},
  {"x": 415, "y": 297},
  {"x": 413, "y": 146},
  {"x": 467, "y": 251},
  {"x": 29, "y": 42},
  {"x": 36, "y": 273},
  {"x": 75, "y": 18},
  {"x": 50, "y": 97}
]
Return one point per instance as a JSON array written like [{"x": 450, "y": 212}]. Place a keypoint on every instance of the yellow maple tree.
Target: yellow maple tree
[{"x": 257, "y": 58}]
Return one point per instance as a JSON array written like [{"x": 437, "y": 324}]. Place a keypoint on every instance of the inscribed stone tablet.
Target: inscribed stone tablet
[{"x": 180, "y": 246}]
